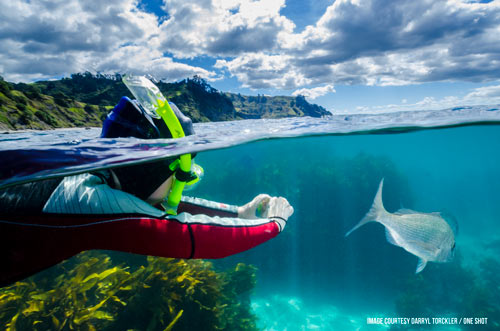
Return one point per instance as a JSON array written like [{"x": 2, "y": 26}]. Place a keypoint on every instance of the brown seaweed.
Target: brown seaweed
[{"x": 90, "y": 292}]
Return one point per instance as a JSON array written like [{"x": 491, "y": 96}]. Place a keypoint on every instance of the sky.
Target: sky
[{"x": 345, "y": 55}]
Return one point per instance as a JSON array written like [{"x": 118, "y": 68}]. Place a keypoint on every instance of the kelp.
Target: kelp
[{"x": 90, "y": 292}]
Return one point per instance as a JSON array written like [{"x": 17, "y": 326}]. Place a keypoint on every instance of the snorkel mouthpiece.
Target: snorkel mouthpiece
[{"x": 153, "y": 102}]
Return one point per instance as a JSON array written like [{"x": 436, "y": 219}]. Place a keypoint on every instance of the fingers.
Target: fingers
[
  {"x": 249, "y": 210},
  {"x": 279, "y": 206},
  {"x": 279, "y": 211},
  {"x": 259, "y": 205},
  {"x": 286, "y": 208},
  {"x": 264, "y": 205},
  {"x": 261, "y": 198}
]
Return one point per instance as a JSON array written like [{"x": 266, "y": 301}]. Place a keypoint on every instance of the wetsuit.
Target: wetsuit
[{"x": 43, "y": 223}]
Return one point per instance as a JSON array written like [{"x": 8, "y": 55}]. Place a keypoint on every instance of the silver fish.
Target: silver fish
[{"x": 426, "y": 235}]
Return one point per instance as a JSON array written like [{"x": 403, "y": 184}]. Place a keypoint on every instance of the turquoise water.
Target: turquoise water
[
  {"x": 311, "y": 277},
  {"x": 313, "y": 273}
]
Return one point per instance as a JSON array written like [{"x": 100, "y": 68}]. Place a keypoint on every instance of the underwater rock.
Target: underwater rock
[
  {"x": 454, "y": 290},
  {"x": 493, "y": 245}
]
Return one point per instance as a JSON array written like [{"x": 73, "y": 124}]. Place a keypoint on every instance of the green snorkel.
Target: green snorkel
[
  {"x": 172, "y": 122},
  {"x": 153, "y": 102}
]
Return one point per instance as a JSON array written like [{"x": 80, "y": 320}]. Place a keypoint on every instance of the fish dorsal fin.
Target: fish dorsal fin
[
  {"x": 420, "y": 265},
  {"x": 391, "y": 236},
  {"x": 405, "y": 211}
]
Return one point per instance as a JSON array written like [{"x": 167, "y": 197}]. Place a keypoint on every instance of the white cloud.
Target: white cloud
[
  {"x": 140, "y": 60},
  {"x": 44, "y": 39},
  {"x": 484, "y": 95},
  {"x": 315, "y": 92},
  {"x": 367, "y": 42},
  {"x": 258, "y": 70},
  {"x": 222, "y": 28},
  {"x": 383, "y": 42},
  {"x": 489, "y": 95}
]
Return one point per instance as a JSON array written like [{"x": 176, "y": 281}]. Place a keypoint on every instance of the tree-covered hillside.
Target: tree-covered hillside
[
  {"x": 85, "y": 99},
  {"x": 262, "y": 106},
  {"x": 23, "y": 106}
]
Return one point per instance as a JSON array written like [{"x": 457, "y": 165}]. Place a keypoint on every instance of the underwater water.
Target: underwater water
[{"x": 312, "y": 277}]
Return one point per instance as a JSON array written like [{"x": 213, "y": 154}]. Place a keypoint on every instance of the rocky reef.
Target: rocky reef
[{"x": 454, "y": 290}]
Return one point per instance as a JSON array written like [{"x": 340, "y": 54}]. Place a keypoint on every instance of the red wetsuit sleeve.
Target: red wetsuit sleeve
[
  {"x": 214, "y": 236},
  {"x": 31, "y": 244},
  {"x": 187, "y": 236},
  {"x": 211, "y": 241}
]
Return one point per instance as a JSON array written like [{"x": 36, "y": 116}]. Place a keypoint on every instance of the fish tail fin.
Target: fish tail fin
[{"x": 376, "y": 212}]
